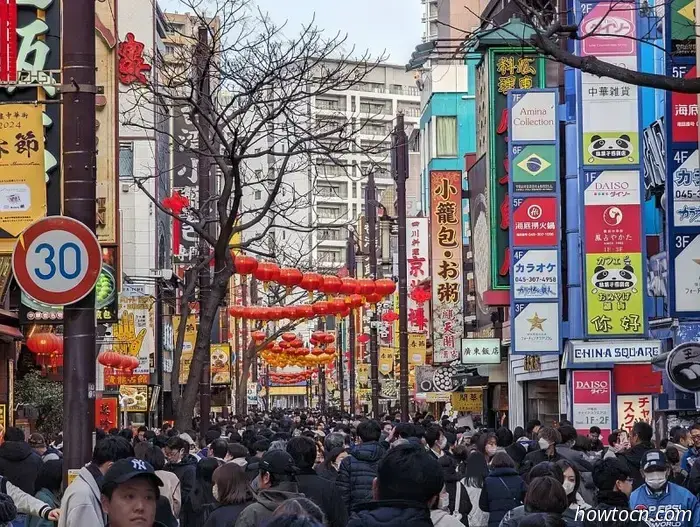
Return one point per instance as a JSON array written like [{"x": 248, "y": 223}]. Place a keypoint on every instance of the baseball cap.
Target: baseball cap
[
  {"x": 126, "y": 469},
  {"x": 653, "y": 460},
  {"x": 277, "y": 462}
]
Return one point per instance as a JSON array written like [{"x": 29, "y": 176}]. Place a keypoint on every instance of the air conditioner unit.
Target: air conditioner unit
[{"x": 125, "y": 187}]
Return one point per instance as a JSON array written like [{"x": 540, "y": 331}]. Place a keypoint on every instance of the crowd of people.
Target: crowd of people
[{"x": 293, "y": 469}]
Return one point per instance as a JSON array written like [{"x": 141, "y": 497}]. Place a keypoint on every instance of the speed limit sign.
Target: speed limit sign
[{"x": 57, "y": 260}]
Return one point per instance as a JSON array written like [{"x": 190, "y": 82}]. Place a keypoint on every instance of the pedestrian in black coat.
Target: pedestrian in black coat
[
  {"x": 232, "y": 494},
  {"x": 18, "y": 461},
  {"x": 326, "y": 496},
  {"x": 640, "y": 439},
  {"x": 181, "y": 463},
  {"x": 547, "y": 440},
  {"x": 503, "y": 490}
]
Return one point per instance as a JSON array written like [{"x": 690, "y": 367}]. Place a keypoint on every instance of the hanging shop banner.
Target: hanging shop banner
[
  {"x": 446, "y": 269},
  {"x": 134, "y": 334},
  {"x": 386, "y": 360},
  {"x": 632, "y": 409},
  {"x": 508, "y": 71},
  {"x": 534, "y": 223},
  {"x": 252, "y": 393},
  {"x": 470, "y": 401},
  {"x": 592, "y": 401},
  {"x": 187, "y": 344},
  {"x": 481, "y": 351},
  {"x": 417, "y": 347},
  {"x": 536, "y": 274},
  {"x": 185, "y": 182},
  {"x": 106, "y": 297},
  {"x": 220, "y": 357},
  {"x": 106, "y": 413},
  {"x": 418, "y": 266},
  {"x": 618, "y": 352},
  {"x": 134, "y": 397}
]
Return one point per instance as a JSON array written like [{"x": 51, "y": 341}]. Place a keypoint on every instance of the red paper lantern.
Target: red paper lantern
[
  {"x": 249, "y": 312},
  {"x": 354, "y": 301},
  {"x": 290, "y": 277},
  {"x": 305, "y": 311},
  {"x": 129, "y": 363},
  {"x": 363, "y": 339},
  {"x": 109, "y": 359},
  {"x": 318, "y": 336},
  {"x": 390, "y": 317},
  {"x": 344, "y": 312},
  {"x": 258, "y": 336},
  {"x": 373, "y": 298},
  {"x": 267, "y": 272},
  {"x": 420, "y": 295},
  {"x": 348, "y": 286},
  {"x": 365, "y": 286},
  {"x": 288, "y": 336},
  {"x": 314, "y": 341},
  {"x": 329, "y": 338},
  {"x": 276, "y": 313},
  {"x": 42, "y": 343},
  {"x": 337, "y": 305},
  {"x": 236, "y": 311},
  {"x": 330, "y": 350},
  {"x": 321, "y": 308},
  {"x": 285, "y": 345},
  {"x": 317, "y": 351},
  {"x": 385, "y": 287},
  {"x": 276, "y": 347},
  {"x": 331, "y": 285},
  {"x": 262, "y": 313},
  {"x": 311, "y": 282},
  {"x": 245, "y": 264},
  {"x": 297, "y": 343}
]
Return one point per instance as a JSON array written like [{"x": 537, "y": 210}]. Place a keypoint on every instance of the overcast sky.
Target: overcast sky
[{"x": 377, "y": 25}]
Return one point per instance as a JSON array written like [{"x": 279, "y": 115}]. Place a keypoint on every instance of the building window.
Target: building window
[
  {"x": 126, "y": 160},
  {"x": 446, "y": 132},
  {"x": 258, "y": 194}
]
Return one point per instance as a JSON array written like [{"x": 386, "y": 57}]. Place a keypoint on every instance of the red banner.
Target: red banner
[
  {"x": 535, "y": 222},
  {"x": 8, "y": 40},
  {"x": 613, "y": 228},
  {"x": 118, "y": 378},
  {"x": 106, "y": 413}
]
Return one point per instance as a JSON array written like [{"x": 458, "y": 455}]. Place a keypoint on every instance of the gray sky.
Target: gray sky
[{"x": 377, "y": 25}]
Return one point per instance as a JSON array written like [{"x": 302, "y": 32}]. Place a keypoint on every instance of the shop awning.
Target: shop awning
[{"x": 8, "y": 332}]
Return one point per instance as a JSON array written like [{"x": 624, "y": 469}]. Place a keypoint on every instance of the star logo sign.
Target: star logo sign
[{"x": 536, "y": 322}]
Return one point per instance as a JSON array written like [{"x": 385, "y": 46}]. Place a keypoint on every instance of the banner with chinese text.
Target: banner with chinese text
[
  {"x": 418, "y": 266},
  {"x": 416, "y": 349},
  {"x": 508, "y": 71},
  {"x": 470, "y": 401},
  {"x": 631, "y": 409},
  {"x": 446, "y": 269},
  {"x": 187, "y": 344}
]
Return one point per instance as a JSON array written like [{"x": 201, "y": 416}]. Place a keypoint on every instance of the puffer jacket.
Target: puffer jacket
[
  {"x": 390, "y": 513},
  {"x": 503, "y": 490},
  {"x": 356, "y": 473},
  {"x": 186, "y": 472},
  {"x": 20, "y": 465}
]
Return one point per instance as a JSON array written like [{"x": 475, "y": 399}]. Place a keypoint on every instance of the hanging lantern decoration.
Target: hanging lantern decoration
[
  {"x": 385, "y": 287},
  {"x": 365, "y": 286},
  {"x": 129, "y": 364},
  {"x": 290, "y": 278},
  {"x": 288, "y": 336},
  {"x": 328, "y": 338},
  {"x": 330, "y": 350},
  {"x": 306, "y": 311},
  {"x": 420, "y": 295},
  {"x": 310, "y": 282},
  {"x": 331, "y": 286},
  {"x": 373, "y": 299},
  {"x": 258, "y": 336},
  {"x": 319, "y": 336},
  {"x": 285, "y": 344},
  {"x": 262, "y": 314},
  {"x": 317, "y": 351},
  {"x": 390, "y": 317},
  {"x": 276, "y": 313},
  {"x": 314, "y": 341},
  {"x": 297, "y": 343},
  {"x": 337, "y": 306},
  {"x": 354, "y": 301},
  {"x": 345, "y": 312},
  {"x": 276, "y": 348},
  {"x": 108, "y": 359},
  {"x": 363, "y": 339},
  {"x": 289, "y": 312},
  {"x": 267, "y": 272},
  {"x": 348, "y": 286},
  {"x": 236, "y": 311},
  {"x": 321, "y": 308},
  {"x": 245, "y": 265}
]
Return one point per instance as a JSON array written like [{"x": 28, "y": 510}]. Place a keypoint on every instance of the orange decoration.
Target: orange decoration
[{"x": 245, "y": 264}]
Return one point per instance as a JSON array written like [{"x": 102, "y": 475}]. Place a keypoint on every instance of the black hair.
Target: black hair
[
  {"x": 299, "y": 508},
  {"x": 502, "y": 460},
  {"x": 542, "y": 519},
  {"x": 50, "y": 476},
  {"x": 14, "y": 434},
  {"x": 483, "y": 440},
  {"x": 303, "y": 451},
  {"x": 408, "y": 472},
  {"x": 405, "y": 430},
  {"x": 568, "y": 433},
  {"x": 677, "y": 433},
  {"x": 236, "y": 450},
  {"x": 111, "y": 448},
  {"x": 151, "y": 454},
  {"x": 564, "y": 465},
  {"x": 613, "y": 438},
  {"x": 546, "y": 468},
  {"x": 432, "y": 434},
  {"x": 594, "y": 430},
  {"x": 234, "y": 437},
  {"x": 607, "y": 472},
  {"x": 334, "y": 440},
  {"x": 177, "y": 443},
  {"x": 583, "y": 444},
  {"x": 531, "y": 425},
  {"x": 643, "y": 431},
  {"x": 211, "y": 435},
  {"x": 126, "y": 433},
  {"x": 99, "y": 434},
  {"x": 518, "y": 432},
  {"x": 504, "y": 437},
  {"x": 546, "y": 494},
  {"x": 142, "y": 429},
  {"x": 261, "y": 445},
  {"x": 219, "y": 448},
  {"x": 369, "y": 431},
  {"x": 672, "y": 455},
  {"x": 114, "y": 431}
]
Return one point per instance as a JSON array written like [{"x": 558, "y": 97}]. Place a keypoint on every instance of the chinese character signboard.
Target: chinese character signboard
[
  {"x": 220, "y": 356},
  {"x": 187, "y": 345},
  {"x": 592, "y": 398},
  {"x": 512, "y": 71},
  {"x": 185, "y": 182},
  {"x": 418, "y": 267},
  {"x": 533, "y": 143},
  {"x": 631, "y": 409},
  {"x": 471, "y": 401},
  {"x": 416, "y": 349},
  {"x": 446, "y": 242},
  {"x": 481, "y": 351}
]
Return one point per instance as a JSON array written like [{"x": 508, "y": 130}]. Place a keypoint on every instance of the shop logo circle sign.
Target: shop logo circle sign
[
  {"x": 683, "y": 367},
  {"x": 534, "y": 212},
  {"x": 613, "y": 216},
  {"x": 57, "y": 260}
]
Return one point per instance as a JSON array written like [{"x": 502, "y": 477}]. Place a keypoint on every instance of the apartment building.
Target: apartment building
[{"x": 450, "y": 19}]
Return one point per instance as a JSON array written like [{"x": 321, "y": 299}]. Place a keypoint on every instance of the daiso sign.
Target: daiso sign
[{"x": 592, "y": 387}]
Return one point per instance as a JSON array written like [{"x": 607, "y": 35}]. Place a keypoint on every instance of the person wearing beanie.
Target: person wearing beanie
[{"x": 44, "y": 451}]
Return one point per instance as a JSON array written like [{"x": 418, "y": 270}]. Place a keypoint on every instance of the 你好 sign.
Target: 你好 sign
[{"x": 592, "y": 398}]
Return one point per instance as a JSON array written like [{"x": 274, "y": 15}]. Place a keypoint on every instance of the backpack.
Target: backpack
[{"x": 52, "y": 450}]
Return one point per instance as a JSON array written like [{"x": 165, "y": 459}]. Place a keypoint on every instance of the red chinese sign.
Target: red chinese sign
[
  {"x": 106, "y": 413},
  {"x": 8, "y": 41},
  {"x": 115, "y": 378},
  {"x": 132, "y": 65},
  {"x": 631, "y": 409},
  {"x": 418, "y": 267},
  {"x": 613, "y": 229},
  {"x": 535, "y": 222},
  {"x": 446, "y": 271},
  {"x": 684, "y": 114}
]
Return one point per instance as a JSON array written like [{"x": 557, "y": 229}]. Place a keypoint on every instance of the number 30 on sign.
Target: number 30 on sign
[{"x": 57, "y": 260}]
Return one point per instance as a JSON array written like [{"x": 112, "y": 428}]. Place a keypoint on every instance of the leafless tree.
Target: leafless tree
[{"x": 249, "y": 93}]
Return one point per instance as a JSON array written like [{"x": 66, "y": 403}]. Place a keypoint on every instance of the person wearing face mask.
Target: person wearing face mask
[
  {"x": 454, "y": 502},
  {"x": 659, "y": 494},
  {"x": 232, "y": 495},
  {"x": 503, "y": 490},
  {"x": 571, "y": 484},
  {"x": 547, "y": 439}
]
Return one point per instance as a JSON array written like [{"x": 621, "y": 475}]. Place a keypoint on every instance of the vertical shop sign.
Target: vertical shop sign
[
  {"x": 508, "y": 71},
  {"x": 185, "y": 182},
  {"x": 220, "y": 357},
  {"x": 416, "y": 349},
  {"x": 446, "y": 242},
  {"x": 614, "y": 263},
  {"x": 187, "y": 345},
  {"x": 533, "y": 147},
  {"x": 632, "y": 409},
  {"x": 418, "y": 267},
  {"x": 592, "y": 401}
]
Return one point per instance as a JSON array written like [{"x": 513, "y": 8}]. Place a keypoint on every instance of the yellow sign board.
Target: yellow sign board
[
  {"x": 134, "y": 397},
  {"x": 187, "y": 345},
  {"x": 22, "y": 174},
  {"x": 386, "y": 360},
  {"x": 220, "y": 356},
  {"x": 472, "y": 400},
  {"x": 3, "y": 417},
  {"x": 416, "y": 349}
]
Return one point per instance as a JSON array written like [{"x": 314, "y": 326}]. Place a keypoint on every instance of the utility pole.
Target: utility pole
[
  {"x": 400, "y": 162},
  {"x": 204, "y": 187},
  {"x": 79, "y": 186},
  {"x": 371, "y": 210},
  {"x": 342, "y": 346},
  {"x": 352, "y": 271}
]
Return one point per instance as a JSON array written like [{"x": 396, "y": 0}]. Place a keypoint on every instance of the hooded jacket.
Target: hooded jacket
[
  {"x": 266, "y": 501},
  {"x": 81, "y": 503},
  {"x": 390, "y": 513},
  {"x": 632, "y": 458},
  {"x": 503, "y": 490},
  {"x": 356, "y": 473},
  {"x": 186, "y": 472},
  {"x": 20, "y": 465},
  {"x": 658, "y": 503}
]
